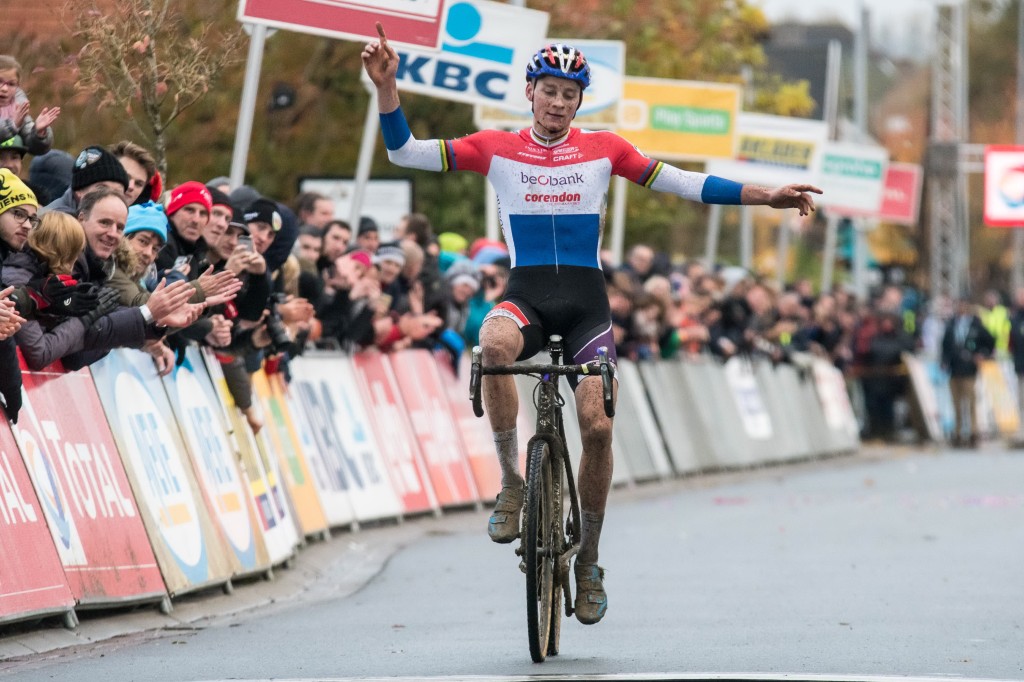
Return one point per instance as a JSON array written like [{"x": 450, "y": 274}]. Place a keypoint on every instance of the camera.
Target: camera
[{"x": 280, "y": 340}]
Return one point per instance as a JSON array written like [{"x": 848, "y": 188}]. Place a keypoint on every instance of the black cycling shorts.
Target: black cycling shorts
[{"x": 570, "y": 301}]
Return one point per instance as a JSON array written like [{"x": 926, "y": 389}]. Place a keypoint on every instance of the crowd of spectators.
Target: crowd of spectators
[{"x": 96, "y": 254}]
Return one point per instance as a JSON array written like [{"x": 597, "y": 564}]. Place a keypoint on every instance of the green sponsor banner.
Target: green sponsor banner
[
  {"x": 853, "y": 167},
  {"x": 683, "y": 119}
]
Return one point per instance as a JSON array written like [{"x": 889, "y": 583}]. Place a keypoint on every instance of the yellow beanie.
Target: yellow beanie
[{"x": 14, "y": 192}]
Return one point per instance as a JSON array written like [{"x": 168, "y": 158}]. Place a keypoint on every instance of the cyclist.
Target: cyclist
[{"x": 552, "y": 181}]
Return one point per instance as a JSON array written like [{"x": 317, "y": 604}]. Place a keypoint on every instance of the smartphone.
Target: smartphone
[
  {"x": 180, "y": 262},
  {"x": 246, "y": 241}
]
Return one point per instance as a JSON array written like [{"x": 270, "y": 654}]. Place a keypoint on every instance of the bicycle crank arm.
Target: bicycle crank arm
[{"x": 563, "y": 577}]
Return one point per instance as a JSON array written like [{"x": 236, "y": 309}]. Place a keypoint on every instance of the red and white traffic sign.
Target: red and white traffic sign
[
  {"x": 1004, "y": 186},
  {"x": 415, "y": 23}
]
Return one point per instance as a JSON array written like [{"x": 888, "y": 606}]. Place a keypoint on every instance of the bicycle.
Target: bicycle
[{"x": 547, "y": 540}]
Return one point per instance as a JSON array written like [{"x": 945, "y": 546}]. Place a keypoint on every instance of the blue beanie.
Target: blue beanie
[{"x": 148, "y": 216}]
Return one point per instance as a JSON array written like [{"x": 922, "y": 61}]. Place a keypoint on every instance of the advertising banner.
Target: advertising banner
[
  {"x": 774, "y": 150},
  {"x": 32, "y": 581},
  {"x": 853, "y": 177},
  {"x": 757, "y": 423},
  {"x": 412, "y": 22},
  {"x": 484, "y": 50},
  {"x": 835, "y": 399},
  {"x": 426, "y": 403},
  {"x": 680, "y": 120},
  {"x": 386, "y": 201},
  {"x": 1004, "y": 186},
  {"x": 84, "y": 491},
  {"x": 339, "y": 511},
  {"x": 600, "y": 107},
  {"x": 475, "y": 433},
  {"x": 994, "y": 384},
  {"x": 901, "y": 198},
  {"x": 292, "y": 462},
  {"x": 196, "y": 407},
  {"x": 187, "y": 542},
  {"x": 274, "y": 515},
  {"x": 393, "y": 432},
  {"x": 350, "y": 458}
]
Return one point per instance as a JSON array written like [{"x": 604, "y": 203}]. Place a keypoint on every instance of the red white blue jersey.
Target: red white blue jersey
[{"x": 552, "y": 196}]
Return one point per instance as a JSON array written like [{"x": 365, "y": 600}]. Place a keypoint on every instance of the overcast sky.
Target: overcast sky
[{"x": 889, "y": 11}]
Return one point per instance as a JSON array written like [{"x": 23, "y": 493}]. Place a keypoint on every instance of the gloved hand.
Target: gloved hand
[
  {"x": 63, "y": 295},
  {"x": 107, "y": 301}
]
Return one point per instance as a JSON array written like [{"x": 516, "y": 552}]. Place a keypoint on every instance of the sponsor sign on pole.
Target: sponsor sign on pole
[
  {"x": 901, "y": 198},
  {"x": 774, "y": 150},
  {"x": 680, "y": 120},
  {"x": 265, "y": 487},
  {"x": 1004, "y": 186},
  {"x": 426, "y": 402},
  {"x": 84, "y": 491},
  {"x": 187, "y": 543},
  {"x": 385, "y": 201},
  {"x": 197, "y": 410},
  {"x": 393, "y": 432},
  {"x": 599, "y": 109},
  {"x": 32, "y": 581},
  {"x": 484, "y": 50},
  {"x": 410, "y": 22},
  {"x": 292, "y": 461},
  {"x": 326, "y": 390},
  {"x": 852, "y": 177}
]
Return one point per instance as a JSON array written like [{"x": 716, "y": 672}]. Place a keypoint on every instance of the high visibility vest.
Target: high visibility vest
[{"x": 997, "y": 322}]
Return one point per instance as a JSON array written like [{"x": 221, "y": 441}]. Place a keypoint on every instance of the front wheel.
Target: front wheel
[{"x": 540, "y": 522}]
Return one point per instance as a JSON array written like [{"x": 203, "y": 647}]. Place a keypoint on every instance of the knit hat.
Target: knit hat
[
  {"x": 96, "y": 164},
  {"x": 218, "y": 198},
  {"x": 389, "y": 252},
  {"x": 463, "y": 271},
  {"x": 483, "y": 243},
  {"x": 367, "y": 224},
  {"x": 52, "y": 171},
  {"x": 452, "y": 242},
  {"x": 264, "y": 211},
  {"x": 361, "y": 256},
  {"x": 244, "y": 195},
  {"x": 190, "y": 192},
  {"x": 218, "y": 181},
  {"x": 238, "y": 219},
  {"x": 14, "y": 144},
  {"x": 14, "y": 192},
  {"x": 145, "y": 217}
]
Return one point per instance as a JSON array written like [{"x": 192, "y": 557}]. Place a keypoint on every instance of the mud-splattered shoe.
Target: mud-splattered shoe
[
  {"x": 591, "y": 600},
  {"x": 503, "y": 526}
]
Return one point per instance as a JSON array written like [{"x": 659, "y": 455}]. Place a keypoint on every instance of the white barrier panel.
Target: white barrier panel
[
  {"x": 274, "y": 514},
  {"x": 635, "y": 428},
  {"x": 195, "y": 405},
  {"x": 792, "y": 440},
  {"x": 801, "y": 387},
  {"x": 750, "y": 406},
  {"x": 675, "y": 421},
  {"x": 835, "y": 404},
  {"x": 348, "y": 452},
  {"x": 621, "y": 474},
  {"x": 714, "y": 405}
]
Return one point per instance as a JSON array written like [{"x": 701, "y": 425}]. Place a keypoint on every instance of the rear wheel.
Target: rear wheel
[{"x": 541, "y": 549}]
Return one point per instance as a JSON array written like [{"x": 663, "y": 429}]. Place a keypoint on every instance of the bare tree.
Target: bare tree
[{"x": 140, "y": 57}]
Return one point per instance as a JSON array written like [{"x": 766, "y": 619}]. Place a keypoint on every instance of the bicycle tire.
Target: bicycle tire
[{"x": 540, "y": 552}]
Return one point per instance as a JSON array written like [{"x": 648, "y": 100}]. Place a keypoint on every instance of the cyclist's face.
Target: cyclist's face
[{"x": 555, "y": 101}]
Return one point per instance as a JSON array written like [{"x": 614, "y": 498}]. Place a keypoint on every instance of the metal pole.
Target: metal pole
[
  {"x": 782, "y": 253},
  {"x": 747, "y": 237},
  {"x": 860, "y": 101},
  {"x": 243, "y": 133},
  {"x": 371, "y": 127},
  {"x": 714, "y": 229},
  {"x": 1018, "y": 233},
  {"x": 860, "y": 259},
  {"x": 830, "y": 108},
  {"x": 619, "y": 219},
  {"x": 829, "y": 257}
]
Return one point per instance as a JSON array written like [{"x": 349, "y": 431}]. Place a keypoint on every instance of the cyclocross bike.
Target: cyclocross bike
[{"x": 548, "y": 540}]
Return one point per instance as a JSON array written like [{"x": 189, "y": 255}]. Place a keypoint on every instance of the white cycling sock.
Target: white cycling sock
[
  {"x": 590, "y": 536},
  {"x": 507, "y": 445}
]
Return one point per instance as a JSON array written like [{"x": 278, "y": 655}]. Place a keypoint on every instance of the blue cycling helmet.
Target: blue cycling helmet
[{"x": 562, "y": 61}]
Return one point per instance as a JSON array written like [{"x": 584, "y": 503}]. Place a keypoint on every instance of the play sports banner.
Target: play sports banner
[
  {"x": 32, "y": 581},
  {"x": 279, "y": 440},
  {"x": 189, "y": 546},
  {"x": 266, "y": 489},
  {"x": 84, "y": 491},
  {"x": 196, "y": 407},
  {"x": 326, "y": 391},
  {"x": 383, "y": 400},
  {"x": 474, "y": 432}
]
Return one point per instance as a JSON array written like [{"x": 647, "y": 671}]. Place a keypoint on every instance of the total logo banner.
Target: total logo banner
[{"x": 485, "y": 47}]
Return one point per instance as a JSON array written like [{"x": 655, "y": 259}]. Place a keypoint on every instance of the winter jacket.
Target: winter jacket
[
  {"x": 958, "y": 354},
  {"x": 35, "y": 144},
  {"x": 66, "y": 203}
]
